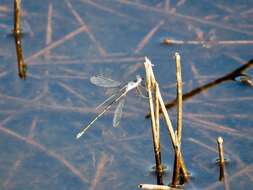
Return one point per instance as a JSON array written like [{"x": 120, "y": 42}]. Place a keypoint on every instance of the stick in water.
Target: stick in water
[
  {"x": 221, "y": 158},
  {"x": 22, "y": 67},
  {"x": 156, "y": 187}
]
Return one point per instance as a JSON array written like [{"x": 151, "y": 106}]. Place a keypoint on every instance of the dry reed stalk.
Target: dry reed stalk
[
  {"x": 22, "y": 67},
  {"x": 157, "y": 129},
  {"x": 156, "y": 187},
  {"x": 17, "y": 17},
  {"x": 176, "y": 171},
  {"x": 157, "y": 114},
  {"x": 150, "y": 84},
  {"x": 179, "y": 98},
  {"x": 149, "y": 73},
  {"x": 221, "y": 158},
  {"x": 169, "y": 41}
]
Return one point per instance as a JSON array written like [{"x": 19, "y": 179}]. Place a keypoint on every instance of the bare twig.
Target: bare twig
[
  {"x": 151, "y": 83},
  {"x": 176, "y": 170},
  {"x": 17, "y": 17},
  {"x": 100, "y": 171},
  {"x": 156, "y": 187},
  {"x": 179, "y": 98},
  {"x": 221, "y": 158},
  {"x": 169, "y": 41},
  {"x": 22, "y": 67},
  {"x": 49, "y": 29}
]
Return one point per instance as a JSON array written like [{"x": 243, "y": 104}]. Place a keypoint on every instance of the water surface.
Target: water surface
[{"x": 39, "y": 117}]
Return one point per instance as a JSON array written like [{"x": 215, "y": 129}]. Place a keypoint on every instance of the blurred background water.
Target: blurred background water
[{"x": 67, "y": 42}]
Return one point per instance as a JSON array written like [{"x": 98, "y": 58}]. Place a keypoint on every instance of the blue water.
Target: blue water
[{"x": 40, "y": 116}]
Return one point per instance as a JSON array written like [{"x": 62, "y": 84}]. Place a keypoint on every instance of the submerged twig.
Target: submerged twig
[
  {"x": 49, "y": 29},
  {"x": 169, "y": 41},
  {"x": 100, "y": 171}
]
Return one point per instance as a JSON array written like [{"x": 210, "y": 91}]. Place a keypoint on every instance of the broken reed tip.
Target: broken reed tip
[
  {"x": 221, "y": 158},
  {"x": 168, "y": 41},
  {"x": 147, "y": 61},
  {"x": 220, "y": 140},
  {"x": 177, "y": 55}
]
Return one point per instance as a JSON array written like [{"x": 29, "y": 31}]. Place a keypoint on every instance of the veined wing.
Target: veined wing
[
  {"x": 118, "y": 113},
  {"x": 106, "y": 100},
  {"x": 112, "y": 97},
  {"x": 101, "y": 81},
  {"x": 142, "y": 91}
]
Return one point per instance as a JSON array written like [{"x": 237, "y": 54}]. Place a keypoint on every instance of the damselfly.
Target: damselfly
[{"x": 115, "y": 98}]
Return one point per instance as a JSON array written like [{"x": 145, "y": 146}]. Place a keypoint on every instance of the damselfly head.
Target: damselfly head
[
  {"x": 133, "y": 84},
  {"x": 138, "y": 78}
]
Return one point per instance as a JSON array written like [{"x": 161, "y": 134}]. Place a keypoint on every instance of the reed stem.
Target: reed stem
[
  {"x": 156, "y": 187},
  {"x": 17, "y": 17},
  {"x": 151, "y": 84},
  {"x": 150, "y": 76},
  {"x": 179, "y": 98},
  {"x": 221, "y": 158}
]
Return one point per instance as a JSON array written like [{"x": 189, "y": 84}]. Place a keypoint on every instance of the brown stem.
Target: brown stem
[
  {"x": 17, "y": 17},
  {"x": 17, "y": 35}
]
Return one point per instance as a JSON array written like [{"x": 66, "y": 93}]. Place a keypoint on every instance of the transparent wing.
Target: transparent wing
[
  {"x": 112, "y": 97},
  {"x": 107, "y": 100},
  {"x": 118, "y": 113},
  {"x": 101, "y": 81},
  {"x": 142, "y": 92}
]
